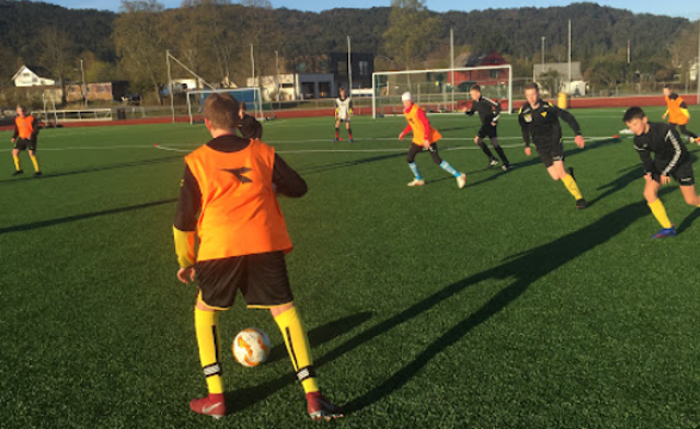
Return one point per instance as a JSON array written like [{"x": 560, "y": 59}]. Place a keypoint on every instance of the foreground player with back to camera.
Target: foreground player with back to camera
[
  {"x": 228, "y": 197},
  {"x": 489, "y": 112},
  {"x": 25, "y": 138},
  {"x": 424, "y": 136},
  {"x": 539, "y": 122},
  {"x": 671, "y": 159}
]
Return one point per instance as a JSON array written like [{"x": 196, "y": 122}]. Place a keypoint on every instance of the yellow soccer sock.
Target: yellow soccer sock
[
  {"x": 206, "y": 325},
  {"x": 17, "y": 164},
  {"x": 572, "y": 187},
  {"x": 659, "y": 212},
  {"x": 298, "y": 348},
  {"x": 36, "y": 163}
]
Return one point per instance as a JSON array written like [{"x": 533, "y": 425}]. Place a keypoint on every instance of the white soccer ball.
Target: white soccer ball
[{"x": 251, "y": 347}]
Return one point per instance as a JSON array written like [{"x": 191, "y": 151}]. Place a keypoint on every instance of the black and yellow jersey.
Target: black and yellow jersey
[{"x": 541, "y": 125}]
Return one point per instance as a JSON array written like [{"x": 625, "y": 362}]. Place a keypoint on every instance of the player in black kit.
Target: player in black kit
[
  {"x": 671, "y": 159},
  {"x": 489, "y": 111},
  {"x": 539, "y": 122}
]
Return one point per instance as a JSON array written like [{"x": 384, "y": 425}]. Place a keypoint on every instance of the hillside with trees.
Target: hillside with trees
[{"x": 214, "y": 38}]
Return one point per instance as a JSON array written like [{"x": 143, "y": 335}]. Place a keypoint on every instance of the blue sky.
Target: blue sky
[{"x": 684, "y": 8}]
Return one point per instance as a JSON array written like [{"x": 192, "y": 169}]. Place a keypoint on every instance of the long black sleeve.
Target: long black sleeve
[
  {"x": 288, "y": 182},
  {"x": 14, "y": 136},
  {"x": 525, "y": 130},
  {"x": 569, "y": 119},
  {"x": 189, "y": 203}
]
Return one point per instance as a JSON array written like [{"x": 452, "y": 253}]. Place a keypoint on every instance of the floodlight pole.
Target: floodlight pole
[
  {"x": 697, "y": 73},
  {"x": 252, "y": 62},
  {"x": 568, "y": 89},
  {"x": 170, "y": 84},
  {"x": 349, "y": 69},
  {"x": 82, "y": 74},
  {"x": 277, "y": 68},
  {"x": 452, "y": 65}
]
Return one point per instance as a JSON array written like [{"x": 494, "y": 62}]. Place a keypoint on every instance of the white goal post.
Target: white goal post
[
  {"x": 440, "y": 90},
  {"x": 252, "y": 97}
]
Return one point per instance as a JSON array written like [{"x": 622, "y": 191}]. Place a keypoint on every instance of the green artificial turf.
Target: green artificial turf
[{"x": 495, "y": 306}]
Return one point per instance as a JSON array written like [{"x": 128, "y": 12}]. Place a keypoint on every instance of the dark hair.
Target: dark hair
[
  {"x": 532, "y": 85},
  {"x": 242, "y": 105},
  {"x": 222, "y": 111},
  {"x": 633, "y": 113},
  {"x": 475, "y": 87},
  {"x": 668, "y": 86},
  {"x": 22, "y": 108}
]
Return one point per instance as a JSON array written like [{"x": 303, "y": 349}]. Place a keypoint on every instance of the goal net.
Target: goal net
[
  {"x": 440, "y": 90},
  {"x": 250, "y": 96}
]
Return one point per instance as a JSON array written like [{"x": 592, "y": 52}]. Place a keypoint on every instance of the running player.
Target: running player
[
  {"x": 249, "y": 127},
  {"x": 489, "y": 111},
  {"x": 677, "y": 113},
  {"x": 25, "y": 138},
  {"x": 424, "y": 137},
  {"x": 539, "y": 122},
  {"x": 671, "y": 159},
  {"x": 228, "y": 197},
  {"x": 343, "y": 112}
]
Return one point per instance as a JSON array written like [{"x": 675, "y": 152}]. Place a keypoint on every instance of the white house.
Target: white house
[
  {"x": 296, "y": 86},
  {"x": 32, "y": 76}
]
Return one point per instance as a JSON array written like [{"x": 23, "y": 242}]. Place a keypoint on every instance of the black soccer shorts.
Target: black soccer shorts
[
  {"x": 683, "y": 174},
  {"x": 24, "y": 144},
  {"x": 261, "y": 278},
  {"x": 551, "y": 153},
  {"x": 487, "y": 130}
]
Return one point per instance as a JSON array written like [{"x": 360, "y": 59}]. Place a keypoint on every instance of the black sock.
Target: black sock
[
  {"x": 502, "y": 154},
  {"x": 486, "y": 150}
]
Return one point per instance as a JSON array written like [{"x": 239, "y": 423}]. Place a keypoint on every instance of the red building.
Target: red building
[{"x": 482, "y": 77}]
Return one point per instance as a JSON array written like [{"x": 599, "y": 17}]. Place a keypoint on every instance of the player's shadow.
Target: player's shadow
[
  {"x": 345, "y": 164},
  {"x": 533, "y": 160},
  {"x": 67, "y": 219},
  {"x": 324, "y": 333},
  {"x": 46, "y": 176},
  {"x": 524, "y": 268}
]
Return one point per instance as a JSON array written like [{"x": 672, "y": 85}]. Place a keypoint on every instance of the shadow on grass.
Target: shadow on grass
[
  {"x": 533, "y": 160},
  {"x": 28, "y": 175},
  {"x": 58, "y": 221},
  {"x": 323, "y": 334},
  {"x": 525, "y": 269}
]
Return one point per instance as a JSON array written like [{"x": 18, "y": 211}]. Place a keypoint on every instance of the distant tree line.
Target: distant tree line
[{"x": 214, "y": 38}]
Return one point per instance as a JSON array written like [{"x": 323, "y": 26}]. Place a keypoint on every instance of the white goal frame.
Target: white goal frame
[
  {"x": 256, "y": 107},
  {"x": 456, "y": 69}
]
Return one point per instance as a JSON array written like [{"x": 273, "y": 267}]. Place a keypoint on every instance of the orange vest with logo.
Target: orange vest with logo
[
  {"x": 675, "y": 116},
  {"x": 240, "y": 214},
  {"x": 419, "y": 129},
  {"x": 25, "y": 126}
]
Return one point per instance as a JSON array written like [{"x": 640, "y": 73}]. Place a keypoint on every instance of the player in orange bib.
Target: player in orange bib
[
  {"x": 424, "y": 137},
  {"x": 24, "y": 138},
  {"x": 228, "y": 198},
  {"x": 677, "y": 113}
]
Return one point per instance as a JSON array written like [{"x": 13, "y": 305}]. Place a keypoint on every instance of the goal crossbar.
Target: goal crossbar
[{"x": 507, "y": 67}]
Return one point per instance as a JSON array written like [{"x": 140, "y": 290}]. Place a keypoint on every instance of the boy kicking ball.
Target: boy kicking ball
[
  {"x": 424, "y": 137},
  {"x": 671, "y": 159},
  {"x": 228, "y": 198}
]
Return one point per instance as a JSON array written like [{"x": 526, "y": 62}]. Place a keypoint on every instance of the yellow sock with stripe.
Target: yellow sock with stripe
[
  {"x": 206, "y": 325},
  {"x": 298, "y": 347},
  {"x": 571, "y": 186},
  {"x": 18, "y": 167},
  {"x": 659, "y": 212},
  {"x": 35, "y": 162}
]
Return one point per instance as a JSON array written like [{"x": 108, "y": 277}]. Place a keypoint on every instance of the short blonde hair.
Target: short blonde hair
[{"x": 221, "y": 109}]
